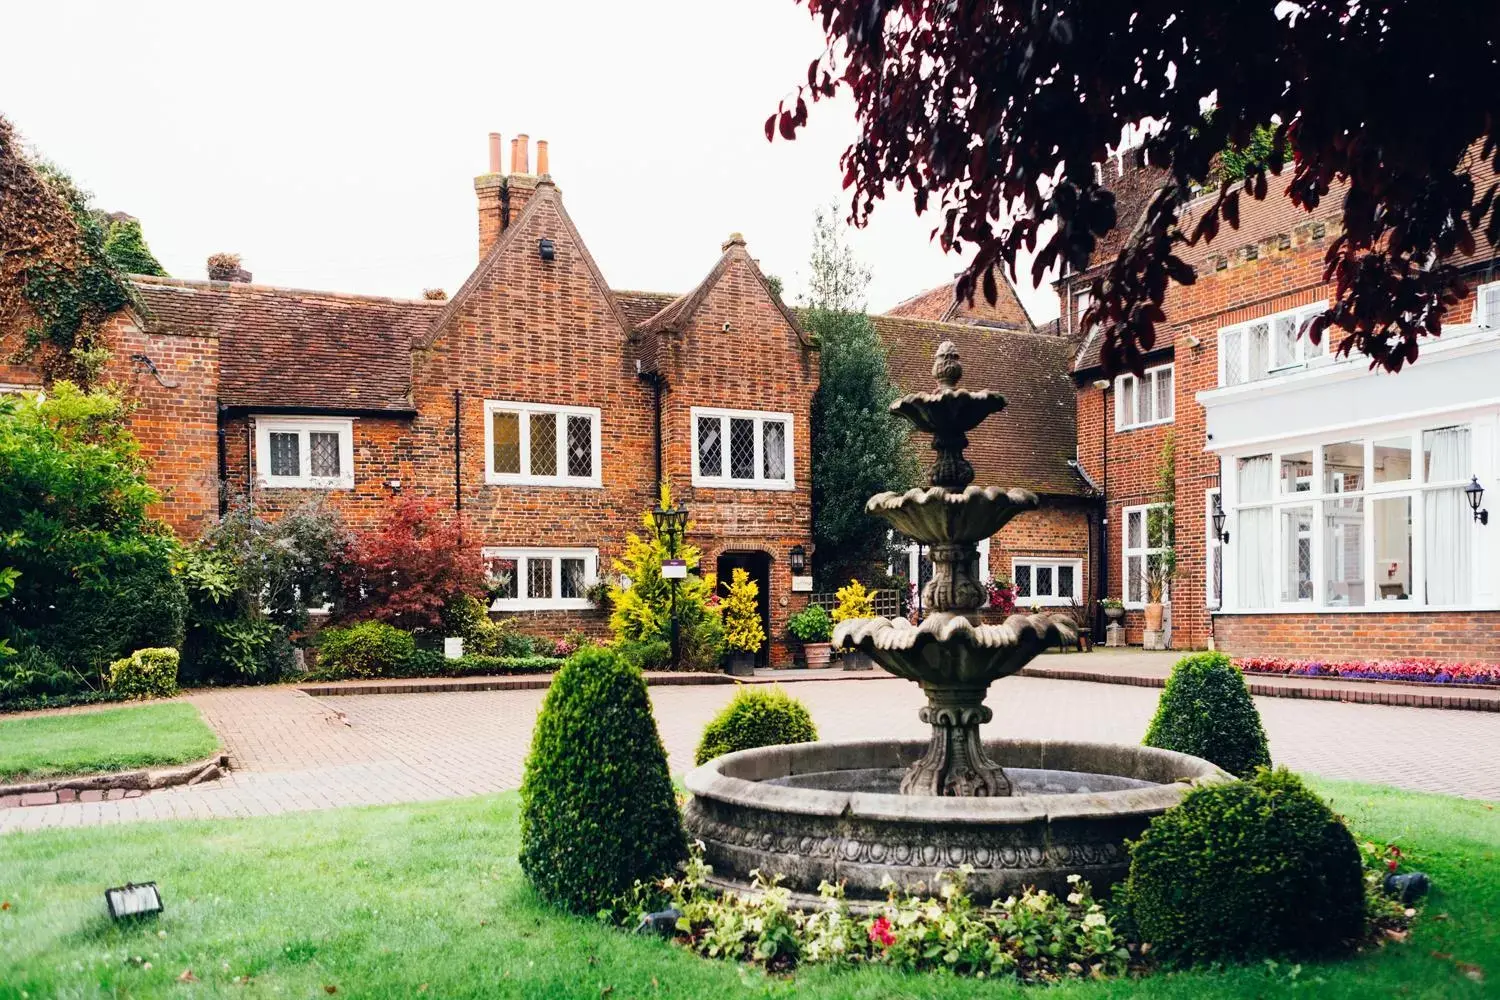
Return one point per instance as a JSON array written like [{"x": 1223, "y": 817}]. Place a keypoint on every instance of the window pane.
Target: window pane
[
  {"x": 1296, "y": 472},
  {"x": 1023, "y": 580},
  {"x": 1234, "y": 364},
  {"x": 1344, "y": 467},
  {"x": 1447, "y": 546},
  {"x": 1127, "y": 401},
  {"x": 1260, "y": 351},
  {"x": 1044, "y": 581},
  {"x": 1256, "y": 548},
  {"x": 573, "y": 584},
  {"x": 1164, "y": 394},
  {"x": 1135, "y": 535},
  {"x": 504, "y": 580},
  {"x": 1445, "y": 455},
  {"x": 323, "y": 450},
  {"x": 1285, "y": 341},
  {"x": 1135, "y": 579},
  {"x": 1392, "y": 522},
  {"x": 1142, "y": 402},
  {"x": 1489, "y": 307},
  {"x": 773, "y": 449},
  {"x": 1296, "y": 554},
  {"x": 505, "y": 431},
  {"x": 1393, "y": 460},
  {"x": 1065, "y": 581},
  {"x": 543, "y": 444},
  {"x": 741, "y": 448},
  {"x": 580, "y": 446},
  {"x": 285, "y": 457},
  {"x": 1344, "y": 552},
  {"x": 538, "y": 577},
  {"x": 710, "y": 447}
]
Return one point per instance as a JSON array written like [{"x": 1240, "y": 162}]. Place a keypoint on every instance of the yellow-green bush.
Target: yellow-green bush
[{"x": 146, "y": 673}]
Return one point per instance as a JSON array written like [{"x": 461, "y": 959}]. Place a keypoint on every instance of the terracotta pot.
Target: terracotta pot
[
  {"x": 817, "y": 654},
  {"x": 1153, "y": 616}
]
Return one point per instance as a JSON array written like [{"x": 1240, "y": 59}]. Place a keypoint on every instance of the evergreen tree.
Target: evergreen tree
[{"x": 126, "y": 248}]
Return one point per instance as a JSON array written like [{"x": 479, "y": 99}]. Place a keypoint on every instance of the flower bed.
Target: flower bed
[{"x": 1414, "y": 670}]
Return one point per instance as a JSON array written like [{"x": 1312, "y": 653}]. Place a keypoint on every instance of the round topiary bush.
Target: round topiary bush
[
  {"x": 369, "y": 649},
  {"x": 1245, "y": 870},
  {"x": 146, "y": 673},
  {"x": 1206, "y": 711},
  {"x": 757, "y": 717},
  {"x": 597, "y": 807}
]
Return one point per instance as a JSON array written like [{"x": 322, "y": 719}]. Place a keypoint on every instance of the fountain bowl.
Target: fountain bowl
[{"x": 816, "y": 812}]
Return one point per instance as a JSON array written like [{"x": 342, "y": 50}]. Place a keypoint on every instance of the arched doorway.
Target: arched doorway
[{"x": 758, "y": 565}]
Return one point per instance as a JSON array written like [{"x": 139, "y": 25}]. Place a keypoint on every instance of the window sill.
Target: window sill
[
  {"x": 559, "y": 604},
  {"x": 1043, "y": 602},
  {"x": 305, "y": 484},
  {"x": 550, "y": 482},
  {"x": 734, "y": 484},
  {"x": 1125, "y": 428}
]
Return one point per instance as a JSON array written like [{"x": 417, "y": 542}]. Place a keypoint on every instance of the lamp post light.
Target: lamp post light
[
  {"x": 1219, "y": 520},
  {"x": 1475, "y": 493},
  {"x": 670, "y": 524}
]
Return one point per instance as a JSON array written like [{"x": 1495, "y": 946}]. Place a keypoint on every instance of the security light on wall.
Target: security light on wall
[{"x": 1102, "y": 383}]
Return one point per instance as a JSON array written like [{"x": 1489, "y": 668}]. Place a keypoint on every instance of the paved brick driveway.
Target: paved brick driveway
[{"x": 292, "y": 752}]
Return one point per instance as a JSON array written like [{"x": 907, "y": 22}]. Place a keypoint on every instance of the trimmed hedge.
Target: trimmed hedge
[
  {"x": 1245, "y": 870},
  {"x": 598, "y": 810},
  {"x": 756, "y": 717},
  {"x": 369, "y": 649},
  {"x": 146, "y": 673},
  {"x": 1206, "y": 710},
  {"x": 648, "y": 654},
  {"x": 432, "y": 663}
]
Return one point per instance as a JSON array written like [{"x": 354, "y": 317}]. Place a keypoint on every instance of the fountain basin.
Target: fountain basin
[{"x": 816, "y": 812}]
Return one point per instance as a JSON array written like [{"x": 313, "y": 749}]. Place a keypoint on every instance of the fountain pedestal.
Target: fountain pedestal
[{"x": 955, "y": 762}]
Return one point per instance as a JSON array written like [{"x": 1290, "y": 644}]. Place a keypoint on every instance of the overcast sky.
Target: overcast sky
[{"x": 333, "y": 146}]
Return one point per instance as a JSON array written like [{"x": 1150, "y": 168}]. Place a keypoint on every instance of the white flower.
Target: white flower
[
  {"x": 933, "y": 912},
  {"x": 1092, "y": 920},
  {"x": 1074, "y": 879},
  {"x": 1075, "y": 898}
]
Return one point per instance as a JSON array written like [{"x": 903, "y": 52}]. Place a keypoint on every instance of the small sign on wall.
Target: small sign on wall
[
  {"x": 801, "y": 584},
  {"x": 674, "y": 569}
]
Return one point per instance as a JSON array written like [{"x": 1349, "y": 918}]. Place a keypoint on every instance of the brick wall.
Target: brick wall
[
  {"x": 1449, "y": 635},
  {"x": 1059, "y": 529}
]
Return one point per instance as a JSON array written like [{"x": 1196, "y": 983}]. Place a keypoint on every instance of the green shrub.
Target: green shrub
[
  {"x": 652, "y": 654},
  {"x": 811, "y": 624},
  {"x": 472, "y": 666},
  {"x": 1245, "y": 870},
  {"x": 597, "y": 806},
  {"x": 251, "y": 649},
  {"x": 756, "y": 717},
  {"x": 369, "y": 649},
  {"x": 139, "y": 605},
  {"x": 146, "y": 673},
  {"x": 1206, "y": 710},
  {"x": 32, "y": 673},
  {"x": 467, "y": 617}
]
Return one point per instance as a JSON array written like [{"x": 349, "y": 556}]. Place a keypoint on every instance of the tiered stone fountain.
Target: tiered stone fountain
[{"x": 1018, "y": 812}]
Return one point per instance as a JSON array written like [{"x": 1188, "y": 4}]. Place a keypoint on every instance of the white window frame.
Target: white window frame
[
  {"x": 1485, "y": 292},
  {"x": 525, "y": 412},
  {"x": 266, "y": 425},
  {"x": 1051, "y": 600},
  {"x": 761, "y": 417},
  {"x": 1307, "y": 352},
  {"x": 1145, "y": 551},
  {"x": 1481, "y": 429},
  {"x": 524, "y": 601},
  {"x": 1148, "y": 384},
  {"x": 1213, "y": 547},
  {"x": 910, "y": 561}
]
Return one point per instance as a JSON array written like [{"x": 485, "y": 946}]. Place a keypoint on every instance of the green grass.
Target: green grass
[
  {"x": 379, "y": 902},
  {"x": 114, "y": 739}
]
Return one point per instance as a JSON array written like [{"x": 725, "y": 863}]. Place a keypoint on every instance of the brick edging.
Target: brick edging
[
  {"x": 112, "y": 786},
  {"x": 521, "y": 683},
  {"x": 1315, "y": 692}
]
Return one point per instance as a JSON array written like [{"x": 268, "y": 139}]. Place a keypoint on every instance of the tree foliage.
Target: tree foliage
[
  {"x": 995, "y": 114},
  {"x": 743, "y": 631},
  {"x": 409, "y": 568},
  {"x": 57, "y": 284},
  {"x": 125, "y": 245}
]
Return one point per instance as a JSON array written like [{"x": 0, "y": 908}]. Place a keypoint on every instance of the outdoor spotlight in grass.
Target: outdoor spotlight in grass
[{"x": 132, "y": 900}]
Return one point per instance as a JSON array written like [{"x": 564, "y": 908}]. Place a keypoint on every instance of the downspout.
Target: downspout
[
  {"x": 656, "y": 387},
  {"x": 249, "y": 464},
  {"x": 458, "y": 468},
  {"x": 223, "y": 484},
  {"x": 1104, "y": 505}
]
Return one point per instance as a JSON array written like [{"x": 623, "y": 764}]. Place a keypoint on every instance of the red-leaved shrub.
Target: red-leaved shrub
[{"x": 405, "y": 571}]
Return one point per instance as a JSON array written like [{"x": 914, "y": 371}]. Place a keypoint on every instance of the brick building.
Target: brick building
[
  {"x": 538, "y": 404},
  {"x": 1347, "y": 529}
]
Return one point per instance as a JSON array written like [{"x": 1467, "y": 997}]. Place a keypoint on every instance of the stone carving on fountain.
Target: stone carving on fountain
[{"x": 951, "y": 657}]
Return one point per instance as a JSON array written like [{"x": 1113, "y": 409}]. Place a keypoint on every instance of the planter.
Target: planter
[
  {"x": 1153, "y": 616},
  {"x": 855, "y": 660},
  {"x": 817, "y": 654},
  {"x": 740, "y": 664},
  {"x": 1113, "y": 614}
]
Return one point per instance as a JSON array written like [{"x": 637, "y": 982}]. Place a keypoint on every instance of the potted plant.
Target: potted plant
[
  {"x": 812, "y": 627},
  {"x": 1114, "y": 608},
  {"x": 854, "y": 602},
  {"x": 743, "y": 632}
]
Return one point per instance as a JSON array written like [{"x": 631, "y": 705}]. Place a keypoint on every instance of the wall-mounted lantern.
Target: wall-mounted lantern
[
  {"x": 1475, "y": 493},
  {"x": 797, "y": 557},
  {"x": 1219, "y": 519}
]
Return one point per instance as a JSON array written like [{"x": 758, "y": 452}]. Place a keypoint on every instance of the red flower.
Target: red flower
[
  {"x": 1391, "y": 865},
  {"x": 880, "y": 932}
]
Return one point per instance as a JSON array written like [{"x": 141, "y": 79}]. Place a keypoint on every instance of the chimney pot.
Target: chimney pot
[
  {"x": 520, "y": 159},
  {"x": 515, "y": 147},
  {"x": 541, "y": 156},
  {"x": 495, "y": 164}
]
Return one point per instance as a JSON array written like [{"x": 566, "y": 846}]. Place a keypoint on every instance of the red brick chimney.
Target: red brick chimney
[{"x": 502, "y": 196}]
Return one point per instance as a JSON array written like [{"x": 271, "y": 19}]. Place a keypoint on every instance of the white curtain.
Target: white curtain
[
  {"x": 1255, "y": 548},
  {"x": 1448, "y": 518}
]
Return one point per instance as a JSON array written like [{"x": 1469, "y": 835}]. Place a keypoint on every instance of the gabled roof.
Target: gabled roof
[
  {"x": 1029, "y": 443},
  {"x": 287, "y": 348},
  {"x": 938, "y": 305},
  {"x": 641, "y": 306}
]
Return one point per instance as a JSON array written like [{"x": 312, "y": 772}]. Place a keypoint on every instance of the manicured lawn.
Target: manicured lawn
[
  {"x": 380, "y": 902},
  {"x": 114, "y": 739}
]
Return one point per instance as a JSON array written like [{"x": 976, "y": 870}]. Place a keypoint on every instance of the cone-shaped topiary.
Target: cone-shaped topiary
[
  {"x": 597, "y": 807},
  {"x": 756, "y": 718},
  {"x": 1244, "y": 870},
  {"x": 1206, "y": 711},
  {"x": 743, "y": 631}
]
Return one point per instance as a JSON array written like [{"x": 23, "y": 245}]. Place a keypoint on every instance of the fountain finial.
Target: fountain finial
[{"x": 945, "y": 366}]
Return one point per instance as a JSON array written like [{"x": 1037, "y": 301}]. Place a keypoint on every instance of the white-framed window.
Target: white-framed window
[
  {"x": 540, "y": 579},
  {"x": 1213, "y": 551},
  {"x": 915, "y": 562},
  {"x": 1147, "y": 400},
  {"x": 537, "y": 444},
  {"x": 742, "y": 449},
  {"x": 1487, "y": 305},
  {"x": 1141, "y": 547},
  {"x": 1046, "y": 582},
  {"x": 304, "y": 452},
  {"x": 1376, "y": 520},
  {"x": 1269, "y": 345}
]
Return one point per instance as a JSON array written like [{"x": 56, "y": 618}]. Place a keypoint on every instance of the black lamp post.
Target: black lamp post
[
  {"x": 1475, "y": 493},
  {"x": 671, "y": 523}
]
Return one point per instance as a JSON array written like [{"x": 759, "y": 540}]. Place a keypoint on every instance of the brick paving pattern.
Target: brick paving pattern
[{"x": 292, "y": 752}]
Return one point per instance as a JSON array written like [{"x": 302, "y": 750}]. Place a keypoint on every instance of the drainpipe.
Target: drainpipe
[
  {"x": 249, "y": 464},
  {"x": 656, "y": 391},
  {"x": 1103, "y": 386},
  {"x": 458, "y": 468},
  {"x": 223, "y": 484}
]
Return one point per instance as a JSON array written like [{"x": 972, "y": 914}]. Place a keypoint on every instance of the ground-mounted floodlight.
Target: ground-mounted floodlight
[{"x": 132, "y": 900}]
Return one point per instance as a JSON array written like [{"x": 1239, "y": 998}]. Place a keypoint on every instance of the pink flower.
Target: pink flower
[{"x": 880, "y": 932}]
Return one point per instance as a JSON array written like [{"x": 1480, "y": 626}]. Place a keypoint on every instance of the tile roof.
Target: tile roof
[
  {"x": 1029, "y": 443},
  {"x": 641, "y": 306},
  {"x": 937, "y": 305},
  {"x": 294, "y": 348}
]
